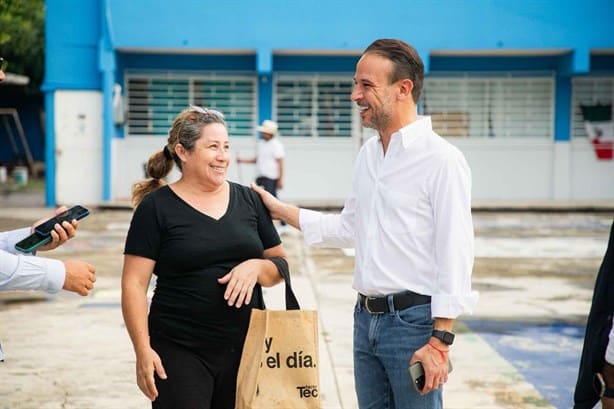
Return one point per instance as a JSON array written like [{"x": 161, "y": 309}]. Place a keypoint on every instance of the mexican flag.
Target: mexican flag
[{"x": 599, "y": 128}]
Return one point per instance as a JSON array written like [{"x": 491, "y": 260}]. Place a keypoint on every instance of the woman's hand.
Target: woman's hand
[
  {"x": 147, "y": 363},
  {"x": 240, "y": 282}
]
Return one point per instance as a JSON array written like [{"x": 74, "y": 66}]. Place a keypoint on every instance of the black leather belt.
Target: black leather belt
[{"x": 398, "y": 301}]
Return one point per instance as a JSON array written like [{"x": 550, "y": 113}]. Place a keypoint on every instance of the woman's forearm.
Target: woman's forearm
[
  {"x": 268, "y": 275},
  {"x": 134, "y": 310}
]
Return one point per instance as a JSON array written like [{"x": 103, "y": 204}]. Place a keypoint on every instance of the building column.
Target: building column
[
  {"x": 265, "y": 84},
  {"x": 561, "y": 160},
  {"x": 107, "y": 66}
]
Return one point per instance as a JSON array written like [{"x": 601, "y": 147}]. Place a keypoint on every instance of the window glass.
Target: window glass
[
  {"x": 490, "y": 107},
  {"x": 314, "y": 105},
  {"x": 153, "y": 102}
]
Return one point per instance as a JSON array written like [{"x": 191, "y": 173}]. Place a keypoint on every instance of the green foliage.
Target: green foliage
[{"x": 22, "y": 38}]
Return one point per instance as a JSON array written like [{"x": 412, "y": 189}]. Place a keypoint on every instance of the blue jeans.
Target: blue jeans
[{"x": 383, "y": 346}]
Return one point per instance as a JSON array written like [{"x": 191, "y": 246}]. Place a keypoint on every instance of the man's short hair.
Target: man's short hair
[{"x": 406, "y": 62}]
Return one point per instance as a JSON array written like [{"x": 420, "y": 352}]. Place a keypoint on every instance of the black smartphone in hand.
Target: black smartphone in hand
[
  {"x": 75, "y": 212},
  {"x": 32, "y": 242},
  {"x": 416, "y": 374}
]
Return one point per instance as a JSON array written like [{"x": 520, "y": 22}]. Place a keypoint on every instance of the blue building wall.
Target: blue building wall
[
  {"x": 265, "y": 26},
  {"x": 91, "y": 43},
  {"x": 72, "y": 31},
  {"x": 481, "y": 24}
]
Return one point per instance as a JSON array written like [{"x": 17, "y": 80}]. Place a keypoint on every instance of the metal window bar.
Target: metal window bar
[
  {"x": 490, "y": 107},
  {"x": 155, "y": 99},
  {"x": 314, "y": 105}
]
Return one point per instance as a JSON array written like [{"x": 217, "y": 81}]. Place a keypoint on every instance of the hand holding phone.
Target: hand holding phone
[
  {"x": 76, "y": 212},
  {"x": 416, "y": 374},
  {"x": 42, "y": 232}
]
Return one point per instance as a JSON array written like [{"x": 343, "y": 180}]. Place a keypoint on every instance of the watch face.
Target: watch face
[{"x": 598, "y": 384}]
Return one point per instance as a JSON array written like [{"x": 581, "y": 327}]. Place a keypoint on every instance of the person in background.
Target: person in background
[
  {"x": 269, "y": 161},
  {"x": 19, "y": 271},
  {"x": 596, "y": 373},
  {"x": 408, "y": 216},
  {"x": 212, "y": 245}
]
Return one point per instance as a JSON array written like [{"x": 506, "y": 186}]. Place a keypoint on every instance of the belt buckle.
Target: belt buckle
[{"x": 367, "y": 306}]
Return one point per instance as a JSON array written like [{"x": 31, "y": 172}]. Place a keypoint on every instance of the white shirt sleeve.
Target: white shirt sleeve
[
  {"x": 454, "y": 240},
  {"x": 329, "y": 230},
  {"x": 609, "y": 352},
  {"x": 8, "y": 239},
  {"x": 22, "y": 272}
]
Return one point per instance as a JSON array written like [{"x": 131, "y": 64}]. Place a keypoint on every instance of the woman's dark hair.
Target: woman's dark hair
[{"x": 407, "y": 64}]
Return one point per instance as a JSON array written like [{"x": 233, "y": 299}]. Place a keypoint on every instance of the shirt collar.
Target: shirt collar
[{"x": 410, "y": 132}]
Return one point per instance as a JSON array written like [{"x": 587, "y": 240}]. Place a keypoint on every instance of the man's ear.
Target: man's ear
[{"x": 405, "y": 88}]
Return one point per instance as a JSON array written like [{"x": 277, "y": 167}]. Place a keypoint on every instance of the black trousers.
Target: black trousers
[{"x": 196, "y": 378}]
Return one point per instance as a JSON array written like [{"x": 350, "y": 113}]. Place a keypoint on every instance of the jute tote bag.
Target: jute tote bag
[{"x": 279, "y": 366}]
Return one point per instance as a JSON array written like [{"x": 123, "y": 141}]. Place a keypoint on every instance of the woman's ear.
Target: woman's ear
[{"x": 180, "y": 152}]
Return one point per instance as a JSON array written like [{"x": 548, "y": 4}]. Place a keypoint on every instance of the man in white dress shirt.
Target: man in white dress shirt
[
  {"x": 408, "y": 217},
  {"x": 19, "y": 271}
]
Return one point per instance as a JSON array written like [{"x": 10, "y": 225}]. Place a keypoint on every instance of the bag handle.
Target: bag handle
[{"x": 284, "y": 271}]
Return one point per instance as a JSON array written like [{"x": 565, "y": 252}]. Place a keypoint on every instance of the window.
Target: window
[
  {"x": 490, "y": 107},
  {"x": 154, "y": 101},
  {"x": 588, "y": 91},
  {"x": 314, "y": 105}
]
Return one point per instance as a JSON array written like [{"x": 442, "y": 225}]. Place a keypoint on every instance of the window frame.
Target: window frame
[
  {"x": 343, "y": 129},
  {"x": 239, "y": 124},
  {"x": 498, "y": 86}
]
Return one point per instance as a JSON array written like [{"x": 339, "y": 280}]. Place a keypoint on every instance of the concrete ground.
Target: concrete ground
[{"x": 520, "y": 349}]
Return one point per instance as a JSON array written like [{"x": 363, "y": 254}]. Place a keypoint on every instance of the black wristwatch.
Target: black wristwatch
[
  {"x": 446, "y": 337},
  {"x": 601, "y": 388}
]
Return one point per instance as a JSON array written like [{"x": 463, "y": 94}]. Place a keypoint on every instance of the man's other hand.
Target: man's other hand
[{"x": 80, "y": 277}]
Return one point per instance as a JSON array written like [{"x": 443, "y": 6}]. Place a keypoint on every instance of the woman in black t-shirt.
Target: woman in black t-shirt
[{"x": 211, "y": 244}]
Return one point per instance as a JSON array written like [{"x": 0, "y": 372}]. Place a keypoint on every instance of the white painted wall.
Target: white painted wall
[
  {"x": 591, "y": 179},
  {"x": 509, "y": 169},
  {"x": 520, "y": 170},
  {"x": 318, "y": 171},
  {"x": 78, "y": 147}
]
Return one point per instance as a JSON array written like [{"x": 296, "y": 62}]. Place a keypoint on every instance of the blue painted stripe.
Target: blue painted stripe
[
  {"x": 49, "y": 149},
  {"x": 547, "y": 355}
]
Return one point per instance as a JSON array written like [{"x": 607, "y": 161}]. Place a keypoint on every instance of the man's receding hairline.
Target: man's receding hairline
[{"x": 391, "y": 65}]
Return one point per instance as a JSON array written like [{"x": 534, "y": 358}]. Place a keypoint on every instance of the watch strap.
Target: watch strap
[{"x": 446, "y": 337}]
